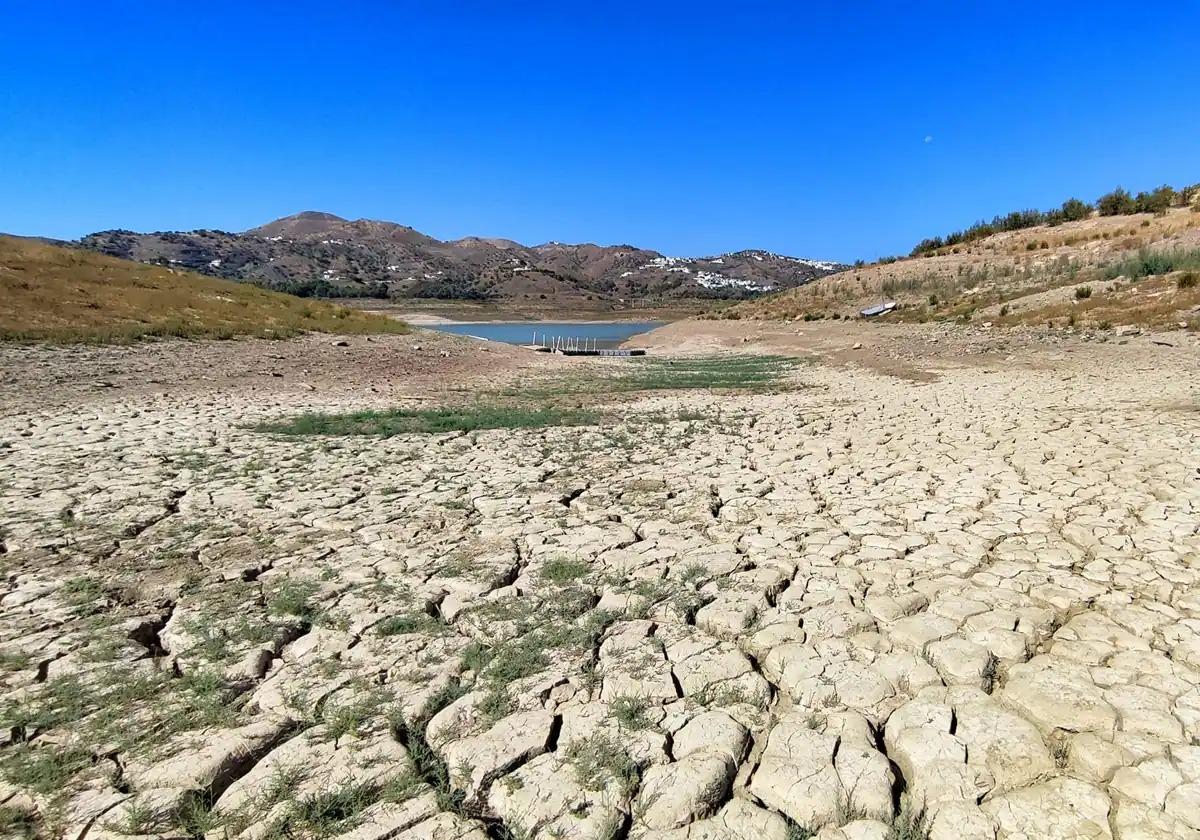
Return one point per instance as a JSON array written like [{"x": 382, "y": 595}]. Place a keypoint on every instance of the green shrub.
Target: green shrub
[
  {"x": 1083, "y": 293},
  {"x": 1074, "y": 210},
  {"x": 1116, "y": 203},
  {"x": 1155, "y": 202}
]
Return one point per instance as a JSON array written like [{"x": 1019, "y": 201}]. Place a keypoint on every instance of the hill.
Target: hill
[
  {"x": 319, "y": 254},
  {"x": 49, "y": 292},
  {"x": 1104, "y": 270}
]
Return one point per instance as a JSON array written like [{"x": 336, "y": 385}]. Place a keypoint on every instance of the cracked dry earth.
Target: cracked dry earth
[{"x": 823, "y": 611}]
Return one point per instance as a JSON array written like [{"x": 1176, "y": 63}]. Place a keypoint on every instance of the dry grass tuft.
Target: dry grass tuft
[{"x": 50, "y": 293}]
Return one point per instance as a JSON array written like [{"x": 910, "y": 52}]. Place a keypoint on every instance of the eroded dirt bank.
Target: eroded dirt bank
[{"x": 973, "y": 592}]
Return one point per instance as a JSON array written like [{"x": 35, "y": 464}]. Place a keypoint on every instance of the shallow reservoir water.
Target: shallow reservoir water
[{"x": 603, "y": 333}]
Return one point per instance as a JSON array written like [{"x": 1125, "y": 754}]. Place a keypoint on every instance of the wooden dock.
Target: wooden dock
[{"x": 568, "y": 346}]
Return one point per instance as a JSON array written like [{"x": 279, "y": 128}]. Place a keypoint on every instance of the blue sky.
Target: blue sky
[{"x": 833, "y": 130}]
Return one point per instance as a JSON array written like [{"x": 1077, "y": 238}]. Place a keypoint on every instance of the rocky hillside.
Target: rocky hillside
[
  {"x": 319, "y": 254},
  {"x": 1106, "y": 270}
]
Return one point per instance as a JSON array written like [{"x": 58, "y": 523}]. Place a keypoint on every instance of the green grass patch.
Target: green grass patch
[
  {"x": 630, "y": 712},
  {"x": 324, "y": 814},
  {"x": 561, "y": 570},
  {"x": 43, "y": 770},
  {"x": 1148, "y": 263},
  {"x": 16, "y": 823},
  {"x": 726, "y": 372},
  {"x": 731, "y": 372},
  {"x": 402, "y": 421},
  {"x": 293, "y": 598},
  {"x": 98, "y": 714},
  {"x": 342, "y": 719},
  {"x": 601, "y": 760},
  {"x": 537, "y": 405},
  {"x": 405, "y": 623},
  {"x": 14, "y": 661}
]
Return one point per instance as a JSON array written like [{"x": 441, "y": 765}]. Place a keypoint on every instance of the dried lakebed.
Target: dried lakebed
[{"x": 865, "y": 608}]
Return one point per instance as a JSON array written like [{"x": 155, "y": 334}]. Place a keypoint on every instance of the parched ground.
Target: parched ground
[
  {"x": 1026, "y": 277},
  {"x": 971, "y": 594}
]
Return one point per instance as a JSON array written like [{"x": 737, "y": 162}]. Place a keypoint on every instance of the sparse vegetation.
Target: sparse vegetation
[
  {"x": 138, "y": 819},
  {"x": 342, "y": 719},
  {"x": 729, "y": 372},
  {"x": 1147, "y": 263},
  {"x": 54, "y": 294},
  {"x": 292, "y": 598},
  {"x": 561, "y": 570},
  {"x": 601, "y": 760},
  {"x": 411, "y": 622},
  {"x": 1119, "y": 202},
  {"x": 97, "y": 711},
  {"x": 630, "y": 712},
  {"x": 427, "y": 764},
  {"x": 430, "y": 421},
  {"x": 15, "y": 823},
  {"x": 324, "y": 814},
  {"x": 910, "y": 823},
  {"x": 536, "y": 406},
  {"x": 795, "y": 831}
]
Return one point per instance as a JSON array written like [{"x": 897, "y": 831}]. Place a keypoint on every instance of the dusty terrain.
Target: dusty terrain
[
  {"x": 1032, "y": 273},
  {"x": 948, "y": 583}
]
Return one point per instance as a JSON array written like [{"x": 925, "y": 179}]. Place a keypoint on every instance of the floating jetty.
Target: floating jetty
[{"x": 569, "y": 346}]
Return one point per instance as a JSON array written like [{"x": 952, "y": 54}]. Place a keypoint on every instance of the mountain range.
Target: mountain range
[{"x": 319, "y": 254}]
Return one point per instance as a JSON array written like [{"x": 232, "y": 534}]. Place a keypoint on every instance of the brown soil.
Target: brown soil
[{"x": 383, "y": 366}]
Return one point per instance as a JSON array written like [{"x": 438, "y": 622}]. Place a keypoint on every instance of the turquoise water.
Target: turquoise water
[{"x": 605, "y": 333}]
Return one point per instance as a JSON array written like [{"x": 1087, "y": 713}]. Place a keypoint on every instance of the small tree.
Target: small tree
[
  {"x": 1074, "y": 210},
  {"x": 1155, "y": 202},
  {"x": 1116, "y": 203}
]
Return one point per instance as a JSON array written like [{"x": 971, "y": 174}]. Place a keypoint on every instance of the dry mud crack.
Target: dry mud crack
[{"x": 871, "y": 606}]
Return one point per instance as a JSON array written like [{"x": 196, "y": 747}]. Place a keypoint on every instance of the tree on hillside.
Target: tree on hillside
[
  {"x": 1155, "y": 202},
  {"x": 1116, "y": 203},
  {"x": 1074, "y": 210}
]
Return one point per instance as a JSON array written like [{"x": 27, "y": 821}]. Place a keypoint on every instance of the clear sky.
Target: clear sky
[{"x": 831, "y": 130}]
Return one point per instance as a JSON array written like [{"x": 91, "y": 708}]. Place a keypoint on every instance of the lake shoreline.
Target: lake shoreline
[
  {"x": 421, "y": 312},
  {"x": 599, "y": 334}
]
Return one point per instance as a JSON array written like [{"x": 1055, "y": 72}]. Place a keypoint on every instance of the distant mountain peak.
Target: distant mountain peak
[
  {"x": 299, "y": 224},
  {"x": 322, "y": 254}
]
